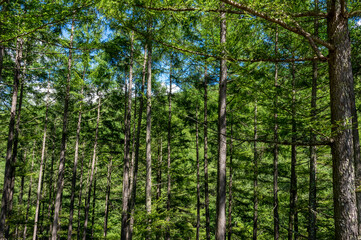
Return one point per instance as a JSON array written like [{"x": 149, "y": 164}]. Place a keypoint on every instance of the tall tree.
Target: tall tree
[
  {"x": 9, "y": 167},
  {"x": 169, "y": 138},
  {"x": 205, "y": 129},
  {"x": 148, "y": 184},
  {"x": 61, "y": 171},
  {"x": 92, "y": 170},
  {"x": 222, "y": 141},
  {"x": 40, "y": 178}
]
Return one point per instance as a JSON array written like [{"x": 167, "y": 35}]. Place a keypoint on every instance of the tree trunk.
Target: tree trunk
[
  {"x": 342, "y": 97},
  {"x": 15, "y": 148},
  {"x": 9, "y": 165},
  {"x": 29, "y": 194},
  {"x": 80, "y": 191},
  {"x": 40, "y": 180},
  {"x": 21, "y": 194},
  {"x": 198, "y": 187},
  {"x": 107, "y": 197},
  {"x": 275, "y": 152},
  {"x": 169, "y": 137},
  {"x": 94, "y": 201},
  {"x": 206, "y": 195},
  {"x": 2, "y": 54},
  {"x": 313, "y": 150},
  {"x": 159, "y": 173},
  {"x": 255, "y": 176},
  {"x": 293, "y": 219},
  {"x": 73, "y": 181},
  {"x": 222, "y": 140},
  {"x": 148, "y": 184},
  {"x": 230, "y": 197},
  {"x": 136, "y": 157},
  {"x": 92, "y": 171},
  {"x": 126, "y": 181},
  {"x": 51, "y": 179},
  {"x": 60, "y": 181}
]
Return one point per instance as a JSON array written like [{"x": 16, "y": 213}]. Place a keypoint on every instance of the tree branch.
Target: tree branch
[
  {"x": 297, "y": 30},
  {"x": 356, "y": 13},
  {"x": 172, "y": 9}
]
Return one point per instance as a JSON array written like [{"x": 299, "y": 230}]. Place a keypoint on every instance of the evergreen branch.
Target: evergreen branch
[
  {"x": 172, "y": 9},
  {"x": 356, "y": 13},
  {"x": 298, "y": 30},
  {"x": 228, "y": 58}
]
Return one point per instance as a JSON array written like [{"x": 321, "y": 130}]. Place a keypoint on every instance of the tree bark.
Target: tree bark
[
  {"x": 148, "y": 184},
  {"x": 73, "y": 181},
  {"x": 222, "y": 131},
  {"x": 40, "y": 179},
  {"x": 60, "y": 181},
  {"x": 293, "y": 219},
  {"x": 169, "y": 137},
  {"x": 275, "y": 152},
  {"x": 21, "y": 194},
  {"x": 313, "y": 149},
  {"x": 205, "y": 129},
  {"x": 159, "y": 173},
  {"x": 342, "y": 97},
  {"x": 9, "y": 165},
  {"x": 198, "y": 187},
  {"x": 136, "y": 157},
  {"x": 91, "y": 177},
  {"x": 230, "y": 196},
  {"x": 80, "y": 191},
  {"x": 94, "y": 201},
  {"x": 126, "y": 180},
  {"x": 255, "y": 176},
  {"x": 29, "y": 194},
  {"x": 51, "y": 179},
  {"x": 107, "y": 197}
]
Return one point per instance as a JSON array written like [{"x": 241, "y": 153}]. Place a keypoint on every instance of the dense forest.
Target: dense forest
[{"x": 193, "y": 119}]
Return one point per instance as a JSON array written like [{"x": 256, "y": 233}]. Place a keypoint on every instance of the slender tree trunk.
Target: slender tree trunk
[
  {"x": 21, "y": 194},
  {"x": 313, "y": 149},
  {"x": 15, "y": 148},
  {"x": 9, "y": 165},
  {"x": 76, "y": 154},
  {"x": 198, "y": 187},
  {"x": 107, "y": 197},
  {"x": 342, "y": 97},
  {"x": 230, "y": 197},
  {"x": 60, "y": 181},
  {"x": 29, "y": 194},
  {"x": 275, "y": 151},
  {"x": 136, "y": 157},
  {"x": 94, "y": 201},
  {"x": 2, "y": 54},
  {"x": 80, "y": 191},
  {"x": 169, "y": 138},
  {"x": 222, "y": 140},
  {"x": 40, "y": 180},
  {"x": 293, "y": 219},
  {"x": 92, "y": 171},
  {"x": 159, "y": 173},
  {"x": 206, "y": 194},
  {"x": 148, "y": 184},
  {"x": 255, "y": 176},
  {"x": 126, "y": 180},
  {"x": 51, "y": 179},
  {"x": 131, "y": 172}
]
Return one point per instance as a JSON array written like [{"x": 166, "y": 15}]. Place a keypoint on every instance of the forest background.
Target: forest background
[{"x": 180, "y": 119}]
